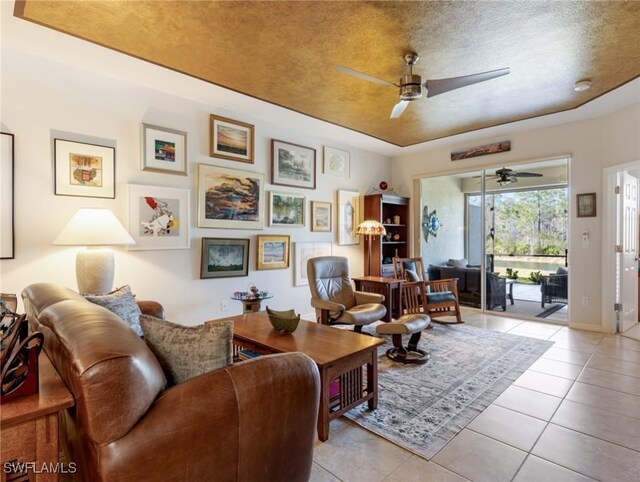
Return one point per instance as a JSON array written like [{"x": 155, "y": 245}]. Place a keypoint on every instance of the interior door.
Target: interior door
[{"x": 629, "y": 261}]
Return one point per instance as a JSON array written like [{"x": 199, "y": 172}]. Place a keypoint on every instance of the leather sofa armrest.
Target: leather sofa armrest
[
  {"x": 152, "y": 308},
  {"x": 364, "y": 297},
  {"x": 327, "y": 305},
  {"x": 238, "y": 423}
]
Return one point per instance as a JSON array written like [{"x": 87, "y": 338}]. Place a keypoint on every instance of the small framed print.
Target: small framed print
[
  {"x": 231, "y": 139},
  {"x": 158, "y": 217},
  {"x": 348, "y": 217},
  {"x": 287, "y": 210},
  {"x": 273, "y": 252},
  {"x": 293, "y": 165},
  {"x": 337, "y": 162},
  {"x": 586, "y": 205},
  {"x": 321, "y": 216},
  {"x": 86, "y": 170},
  {"x": 224, "y": 258},
  {"x": 164, "y": 150},
  {"x": 303, "y": 252}
]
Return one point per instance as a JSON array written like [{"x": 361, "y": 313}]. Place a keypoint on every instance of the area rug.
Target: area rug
[{"x": 422, "y": 407}]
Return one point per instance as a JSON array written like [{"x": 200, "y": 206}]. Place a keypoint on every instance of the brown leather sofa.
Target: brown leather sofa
[{"x": 251, "y": 421}]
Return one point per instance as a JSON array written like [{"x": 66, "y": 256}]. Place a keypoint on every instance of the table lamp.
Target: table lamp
[
  {"x": 370, "y": 228},
  {"x": 94, "y": 267}
]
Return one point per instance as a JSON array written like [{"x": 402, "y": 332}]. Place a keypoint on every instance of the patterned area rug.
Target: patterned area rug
[{"x": 422, "y": 407}]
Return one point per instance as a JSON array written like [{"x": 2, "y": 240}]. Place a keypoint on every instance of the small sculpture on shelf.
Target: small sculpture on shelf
[
  {"x": 396, "y": 237},
  {"x": 396, "y": 219},
  {"x": 388, "y": 236}
]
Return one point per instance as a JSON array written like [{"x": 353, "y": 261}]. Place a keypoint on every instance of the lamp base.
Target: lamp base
[{"x": 95, "y": 271}]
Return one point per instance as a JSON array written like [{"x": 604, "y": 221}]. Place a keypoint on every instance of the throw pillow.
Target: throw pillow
[
  {"x": 458, "y": 263},
  {"x": 411, "y": 275},
  {"x": 188, "y": 351},
  {"x": 122, "y": 303},
  {"x": 409, "y": 265}
]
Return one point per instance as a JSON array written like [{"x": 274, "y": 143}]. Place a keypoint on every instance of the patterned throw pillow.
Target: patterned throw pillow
[
  {"x": 411, "y": 275},
  {"x": 188, "y": 351},
  {"x": 122, "y": 303}
]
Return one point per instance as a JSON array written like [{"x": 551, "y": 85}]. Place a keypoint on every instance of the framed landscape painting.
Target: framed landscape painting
[
  {"x": 231, "y": 139},
  {"x": 224, "y": 258},
  {"x": 287, "y": 210},
  {"x": 273, "y": 252},
  {"x": 164, "y": 150},
  {"x": 337, "y": 162},
  {"x": 86, "y": 170},
  {"x": 348, "y": 217},
  {"x": 321, "y": 216},
  {"x": 229, "y": 198},
  {"x": 158, "y": 217},
  {"x": 293, "y": 165},
  {"x": 305, "y": 251}
]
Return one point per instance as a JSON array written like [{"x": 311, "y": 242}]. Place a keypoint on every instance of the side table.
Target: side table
[
  {"x": 251, "y": 305},
  {"x": 389, "y": 287},
  {"x": 29, "y": 427}
]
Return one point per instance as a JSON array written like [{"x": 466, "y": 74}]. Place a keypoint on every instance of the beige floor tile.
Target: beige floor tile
[
  {"x": 567, "y": 356},
  {"x": 613, "y": 381},
  {"x": 619, "y": 353},
  {"x": 492, "y": 323},
  {"x": 318, "y": 474},
  {"x": 537, "y": 330},
  {"x": 633, "y": 332},
  {"x": 619, "y": 341},
  {"x": 576, "y": 345},
  {"x": 536, "y": 469},
  {"x": 566, "y": 333},
  {"x": 556, "y": 368},
  {"x": 541, "y": 382},
  {"x": 354, "y": 454},
  {"x": 605, "y": 399},
  {"x": 529, "y": 402},
  {"x": 480, "y": 458},
  {"x": 608, "y": 426},
  {"x": 418, "y": 469},
  {"x": 513, "y": 428},
  {"x": 588, "y": 455},
  {"x": 614, "y": 365}
]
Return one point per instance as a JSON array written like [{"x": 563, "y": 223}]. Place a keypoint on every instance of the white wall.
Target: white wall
[
  {"x": 43, "y": 99},
  {"x": 592, "y": 145}
]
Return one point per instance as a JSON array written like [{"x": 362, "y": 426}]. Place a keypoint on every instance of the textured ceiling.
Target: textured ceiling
[{"x": 286, "y": 53}]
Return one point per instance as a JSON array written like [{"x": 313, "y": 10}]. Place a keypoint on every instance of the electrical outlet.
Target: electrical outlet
[
  {"x": 224, "y": 305},
  {"x": 585, "y": 301}
]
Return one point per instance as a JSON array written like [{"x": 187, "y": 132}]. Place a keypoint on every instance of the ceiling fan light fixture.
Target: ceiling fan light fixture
[
  {"x": 582, "y": 85},
  {"x": 410, "y": 87}
]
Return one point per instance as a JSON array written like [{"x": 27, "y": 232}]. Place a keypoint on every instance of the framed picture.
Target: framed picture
[
  {"x": 321, "y": 216},
  {"x": 304, "y": 252},
  {"x": 224, "y": 258},
  {"x": 293, "y": 165},
  {"x": 7, "y": 239},
  {"x": 586, "y": 205},
  {"x": 164, "y": 150},
  {"x": 231, "y": 139},
  {"x": 286, "y": 210},
  {"x": 273, "y": 252},
  {"x": 86, "y": 170},
  {"x": 158, "y": 217},
  {"x": 348, "y": 217},
  {"x": 337, "y": 162},
  {"x": 229, "y": 198}
]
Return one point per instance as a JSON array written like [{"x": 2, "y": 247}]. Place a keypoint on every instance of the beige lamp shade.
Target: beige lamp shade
[
  {"x": 95, "y": 268},
  {"x": 371, "y": 227}
]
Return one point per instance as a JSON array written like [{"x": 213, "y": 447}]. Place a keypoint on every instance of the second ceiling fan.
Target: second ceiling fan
[{"x": 411, "y": 86}]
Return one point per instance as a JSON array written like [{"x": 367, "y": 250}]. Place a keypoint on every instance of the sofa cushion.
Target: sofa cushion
[
  {"x": 122, "y": 303},
  {"x": 188, "y": 351},
  {"x": 441, "y": 297},
  {"x": 409, "y": 265},
  {"x": 562, "y": 270},
  {"x": 458, "y": 263}
]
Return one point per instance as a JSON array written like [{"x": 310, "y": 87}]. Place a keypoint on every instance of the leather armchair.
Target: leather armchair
[
  {"x": 254, "y": 420},
  {"x": 333, "y": 296}
]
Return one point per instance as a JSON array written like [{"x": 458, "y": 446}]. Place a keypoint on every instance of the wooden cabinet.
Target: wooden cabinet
[{"x": 393, "y": 212}]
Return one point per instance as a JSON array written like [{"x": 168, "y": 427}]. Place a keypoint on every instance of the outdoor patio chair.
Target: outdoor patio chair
[
  {"x": 554, "y": 287},
  {"x": 442, "y": 295}
]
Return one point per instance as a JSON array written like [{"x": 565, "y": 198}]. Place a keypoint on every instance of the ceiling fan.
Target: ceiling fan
[
  {"x": 411, "y": 85},
  {"x": 507, "y": 176}
]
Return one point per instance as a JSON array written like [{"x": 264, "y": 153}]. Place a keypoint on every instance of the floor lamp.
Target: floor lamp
[{"x": 370, "y": 228}]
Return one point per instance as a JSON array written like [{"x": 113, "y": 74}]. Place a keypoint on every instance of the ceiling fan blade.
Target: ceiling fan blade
[
  {"x": 440, "y": 86},
  {"x": 398, "y": 109},
  {"x": 370, "y": 78},
  {"x": 528, "y": 174}
]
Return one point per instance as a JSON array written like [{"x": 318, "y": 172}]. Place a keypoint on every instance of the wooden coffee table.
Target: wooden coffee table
[{"x": 339, "y": 354}]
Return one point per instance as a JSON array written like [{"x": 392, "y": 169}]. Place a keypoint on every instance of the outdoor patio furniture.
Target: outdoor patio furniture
[
  {"x": 554, "y": 287},
  {"x": 469, "y": 285}
]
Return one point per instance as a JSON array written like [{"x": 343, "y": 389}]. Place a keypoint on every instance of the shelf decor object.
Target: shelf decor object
[
  {"x": 164, "y": 150},
  {"x": 86, "y": 170},
  {"x": 430, "y": 223},
  {"x": 94, "y": 228},
  {"x": 370, "y": 228}
]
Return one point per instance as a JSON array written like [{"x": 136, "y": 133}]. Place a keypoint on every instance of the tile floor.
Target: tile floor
[{"x": 573, "y": 416}]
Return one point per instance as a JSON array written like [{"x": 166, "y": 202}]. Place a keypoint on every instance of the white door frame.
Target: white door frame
[{"x": 609, "y": 219}]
